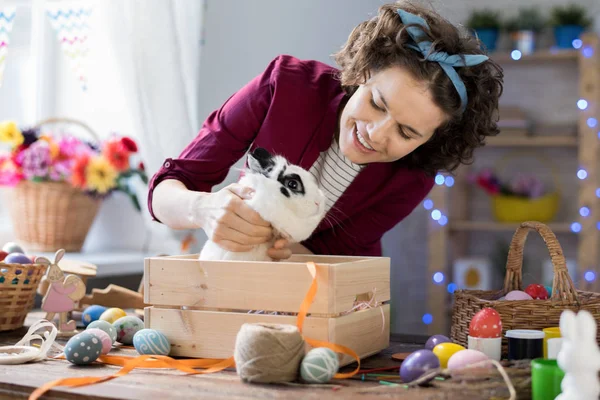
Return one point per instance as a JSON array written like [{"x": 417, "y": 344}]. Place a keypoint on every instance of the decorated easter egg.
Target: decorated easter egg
[
  {"x": 104, "y": 339},
  {"x": 435, "y": 340},
  {"x": 464, "y": 358},
  {"x": 3, "y": 255},
  {"x": 126, "y": 327},
  {"x": 417, "y": 363},
  {"x": 486, "y": 323},
  {"x": 83, "y": 348},
  {"x": 319, "y": 365},
  {"x": 12, "y": 247},
  {"x": 536, "y": 291},
  {"x": 92, "y": 313},
  {"x": 17, "y": 258},
  {"x": 112, "y": 314},
  {"x": 151, "y": 341},
  {"x": 517, "y": 295},
  {"x": 106, "y": 327},
  {"x": 444, "y": 351}
]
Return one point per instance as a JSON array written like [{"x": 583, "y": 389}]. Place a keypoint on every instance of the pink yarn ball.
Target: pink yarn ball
[{"x": 103, "y": 337}]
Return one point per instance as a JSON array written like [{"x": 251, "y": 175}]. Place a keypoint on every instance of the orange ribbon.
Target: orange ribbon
[
  {"x": 189, "y": 365},
  {"x": 304, "y": 307}
]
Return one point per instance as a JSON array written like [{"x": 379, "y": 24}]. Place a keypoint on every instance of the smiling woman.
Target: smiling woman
[{"x": 413, "y": 96}]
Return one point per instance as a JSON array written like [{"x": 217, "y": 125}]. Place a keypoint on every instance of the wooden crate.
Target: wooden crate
[{"x": 201, "y": 305}]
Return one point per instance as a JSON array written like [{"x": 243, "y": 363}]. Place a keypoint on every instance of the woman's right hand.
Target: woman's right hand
[{"x": 230, "y": 222}]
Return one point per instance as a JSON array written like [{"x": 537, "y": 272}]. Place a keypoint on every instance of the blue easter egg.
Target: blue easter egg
[
  {"x": 106, "y": 327},
  {"x": 319, "y": 365},
  {"x": 91, "y": 314},
  {"x": 17, "y": 258},
  {"x": 152, "y": 342},
  {"x": 83, "y": 348},
  {"x": 549, "y": 290}
]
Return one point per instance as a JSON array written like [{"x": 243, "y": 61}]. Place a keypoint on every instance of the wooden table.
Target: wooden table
[{"x": 18, "y": 381}]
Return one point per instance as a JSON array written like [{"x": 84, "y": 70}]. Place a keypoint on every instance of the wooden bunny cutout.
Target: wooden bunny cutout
[
  {"x": 579, "y": 356},
  {"x": 61, "y": 295}
]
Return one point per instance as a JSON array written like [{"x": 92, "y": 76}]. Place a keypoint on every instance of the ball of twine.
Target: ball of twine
[{"x": 268, "y": 353}]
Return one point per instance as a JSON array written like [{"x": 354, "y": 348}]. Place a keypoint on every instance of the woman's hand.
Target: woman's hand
[
  {"x": 230, "y": 222},
  {"x": 282, "y": 250}
]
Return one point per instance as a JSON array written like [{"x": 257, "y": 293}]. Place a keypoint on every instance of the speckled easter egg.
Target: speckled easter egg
[
  {"x": 83, "y": 348},
  {"x": 92, "y": 313},
  {"x": 104, "y": 339},
  {"x": 112, "y": 314},
  {"x": 106, "y": 327},
  {"x": 12, "y": 247},
  {"x": 151, "y": 341},
  {"x": 319, "y": 365},
  {"x": 126, "y": 327}
]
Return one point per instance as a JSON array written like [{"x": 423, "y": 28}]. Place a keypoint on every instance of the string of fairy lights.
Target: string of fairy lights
[{"x": 438, "y": 216}]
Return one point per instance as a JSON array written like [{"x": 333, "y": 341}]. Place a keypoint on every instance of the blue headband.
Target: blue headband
[{"x": 446, "y": 61}]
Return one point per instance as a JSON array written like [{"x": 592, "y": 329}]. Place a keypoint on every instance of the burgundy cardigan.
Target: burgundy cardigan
[{"x": 291, "y": 109}]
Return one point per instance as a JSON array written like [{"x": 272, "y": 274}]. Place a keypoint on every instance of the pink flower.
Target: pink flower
[
  {"x": 35, "y": 160},
  {"x": 9, "y": 174},
  {"x": 71, "y": 146},
  {"x": 61, "y": 170}
]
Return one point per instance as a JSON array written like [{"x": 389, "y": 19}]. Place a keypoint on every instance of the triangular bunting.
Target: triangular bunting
[
  {"x": 71, "y": 22},
  {"x": 7, "y": 17}
]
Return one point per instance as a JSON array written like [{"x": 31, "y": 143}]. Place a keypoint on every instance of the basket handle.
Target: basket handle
[
  {"x": 562, "y": 285},
  {"x": 58, "y": 120}
]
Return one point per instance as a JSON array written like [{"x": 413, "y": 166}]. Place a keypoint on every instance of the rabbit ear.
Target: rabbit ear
[
  {"x": 586, "y": 325},
  {"x": 567, "y": 325},
  {"x": 42, "y": 260},
  {"x": 59, "y": 255}
]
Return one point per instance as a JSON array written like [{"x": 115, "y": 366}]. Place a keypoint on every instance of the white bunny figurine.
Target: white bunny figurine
[
  {"x": 286, "y": 195},
  {"x": 579, "y": 356}
]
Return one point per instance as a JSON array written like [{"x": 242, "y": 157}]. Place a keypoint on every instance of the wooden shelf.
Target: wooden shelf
[
  {"x": 532, "y": 141},
  {"x": 537, "y": 57},
  {"x": 491, "y": 226}
]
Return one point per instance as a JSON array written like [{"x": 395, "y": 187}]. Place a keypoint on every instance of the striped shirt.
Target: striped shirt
[{"x": 334, "y": 172}]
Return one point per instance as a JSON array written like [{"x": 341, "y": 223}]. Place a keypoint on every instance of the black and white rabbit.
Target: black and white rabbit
[{"x": 286, "y": 195}]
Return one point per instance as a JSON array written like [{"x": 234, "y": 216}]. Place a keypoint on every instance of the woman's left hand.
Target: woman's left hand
[{"x": 280, "y": 250}]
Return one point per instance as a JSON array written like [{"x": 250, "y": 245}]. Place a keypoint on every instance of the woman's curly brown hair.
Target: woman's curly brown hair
[{"x": 381, "y": 42}]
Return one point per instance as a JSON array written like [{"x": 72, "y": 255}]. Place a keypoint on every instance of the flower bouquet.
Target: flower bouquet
[
  {"x": 58, "y": 181},
  {"x": 522, "y": 198}
]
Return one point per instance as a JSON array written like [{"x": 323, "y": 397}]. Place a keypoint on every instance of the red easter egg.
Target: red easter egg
[
  {"x": 537, "y": 291},
  {"x": 486, "y": 324},
  {"x": 3, "y": 255}
]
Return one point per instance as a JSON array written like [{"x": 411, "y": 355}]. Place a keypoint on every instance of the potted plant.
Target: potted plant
[
  {"x": 568, "y": 22},
  {"x": 58, "y": 181},
  {"x": 486, "y": 24},
  {"x": 523, "y": 29}
]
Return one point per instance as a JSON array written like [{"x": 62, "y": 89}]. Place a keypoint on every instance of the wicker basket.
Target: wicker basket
[
  {"x": 524, "y": 314},
  {"x": 48, "y": 216},
  {"x": 18, "y": 285}
]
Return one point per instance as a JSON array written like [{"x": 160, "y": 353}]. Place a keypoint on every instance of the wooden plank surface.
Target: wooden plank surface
[
  {"x": 18, "y": 381},
  {"x": 184, "y": 281}
]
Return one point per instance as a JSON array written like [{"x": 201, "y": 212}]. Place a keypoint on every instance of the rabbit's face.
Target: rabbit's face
[
  {"x": 286, "y": 195},
  {"x": 579, "y": 350},
  {"x": 55, "y": 273}
]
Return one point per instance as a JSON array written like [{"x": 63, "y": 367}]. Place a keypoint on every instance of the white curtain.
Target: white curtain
[{"x": 156, "y": 46}]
